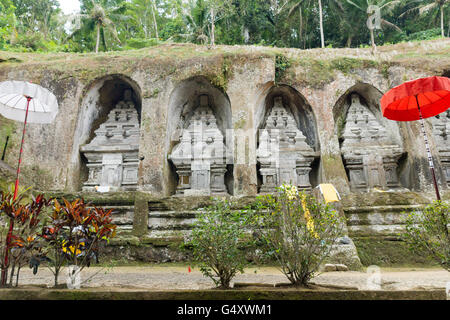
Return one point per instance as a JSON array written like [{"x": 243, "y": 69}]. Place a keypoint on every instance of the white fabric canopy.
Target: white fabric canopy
[{"x": 13, "y": 102}]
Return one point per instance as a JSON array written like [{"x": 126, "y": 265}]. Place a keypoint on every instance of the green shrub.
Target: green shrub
[
  {"x": 75, "y": 235},
  {"x": 25, "y": 217},
  {"x": 216, "y": 239},
  {"x": 282, "y": 63},
  {"x": 296, "y": 230},
  {"x": 139, "y": 43},
  {"x": 427, "y": 231},
  {"x": 429, "y": 34}
]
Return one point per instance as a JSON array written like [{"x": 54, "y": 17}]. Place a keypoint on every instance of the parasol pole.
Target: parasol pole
[
  {"x": 16, "y": 190},
  {"x": 430, "y": 158}
]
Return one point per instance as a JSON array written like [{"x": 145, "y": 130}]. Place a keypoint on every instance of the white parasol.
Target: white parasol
[
  {"x": 14, "y": 95},
  {"x": 27, "y": 102}
]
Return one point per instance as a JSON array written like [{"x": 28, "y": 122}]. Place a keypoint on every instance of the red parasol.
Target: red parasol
[{"x": 417, "y": 100}]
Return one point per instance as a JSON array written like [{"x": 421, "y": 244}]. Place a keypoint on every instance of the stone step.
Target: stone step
[
  {"x": 392, "y": 208},
  {"x": 157, "y": 206},
  {"x": 376, "y": 230},
  {"x": 172, "y": 214},
  {"x": 170, "y": 224},
  {"x": 386, "y": 218},
  {"x": 168, "y": 234},
  {"x": 122, "y": 215}
]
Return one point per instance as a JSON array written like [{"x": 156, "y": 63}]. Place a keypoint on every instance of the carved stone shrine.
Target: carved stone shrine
[
  {"x": 113, "y": 153},
  {"x": 441, "y": 132},
  {"x": 370, "y": 156},
  {"x": 199, "y": 157},
  {"x": 283, "y": 154}
]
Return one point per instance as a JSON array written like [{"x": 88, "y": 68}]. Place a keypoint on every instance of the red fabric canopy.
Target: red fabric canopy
[{"x": 400, "y": 103}]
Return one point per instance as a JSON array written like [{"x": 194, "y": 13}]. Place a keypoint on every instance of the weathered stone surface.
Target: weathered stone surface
[
  {"x": 329, "y": 267},
  {"x": 441, "y": 132},
  {"x": 200, "y": 155},
  {"x": 341, "y": 267},
  {"x": 81, "y": 84},
  {"x": 239, "y": 81},
  {"x": 283, "y": 154},
  {"x": 113, "y": 153},
  {"x": 370, "y": 156}
]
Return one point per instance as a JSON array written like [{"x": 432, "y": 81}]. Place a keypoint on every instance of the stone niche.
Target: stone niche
[
  {"x": 200, "y": 155},
  {"x": 283, "y": 154},
  {"x": 112, "y": 155},
  {"x": 369, "y": 152},
  {"x": 441, "y": 133}
]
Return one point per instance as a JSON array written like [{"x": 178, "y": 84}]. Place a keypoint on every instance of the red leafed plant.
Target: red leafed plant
[
  {"x": 24, "y": 245},
  {"x": 76, "y": 234}
]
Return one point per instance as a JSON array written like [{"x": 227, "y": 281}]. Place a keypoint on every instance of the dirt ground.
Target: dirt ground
[{"x": 168, "y": 277}]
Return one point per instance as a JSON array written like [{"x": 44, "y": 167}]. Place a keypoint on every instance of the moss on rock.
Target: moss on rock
[{"x": 387, "y": 252}]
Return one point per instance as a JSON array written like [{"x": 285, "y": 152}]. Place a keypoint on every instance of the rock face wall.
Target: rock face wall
[
  {"x": 326, "y": 121},
  {"x": 241, "y": 93}
]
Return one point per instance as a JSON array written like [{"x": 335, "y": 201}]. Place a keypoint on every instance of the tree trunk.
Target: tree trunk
[
  {"x": 322, "y": 40},
  {"x": 442, "y": 21},
  {"x": 56, "y": 278},
  {"x": 17, "y": 277},
  {"x": 448, "y": 30},
  {"x": 98, "y": 37},
  {"x": 155, "y": 24},
  {"x": 349, "y": 40},
  {"x": 372, "y": 39},
  {"x": 300, "y": 29},
  {"x": 213, "y": 27},
  {"x": 246, "y": 35},
  {"x": 11, "y": 275}
]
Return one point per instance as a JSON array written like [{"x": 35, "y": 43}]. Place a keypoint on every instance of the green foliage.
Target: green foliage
[
  {"x": 120, "y": 24},
  {"x": 345, "y": 64},
  {"x": 75, "y": 234},
  {"x": 429, "y": 34},
  {"x": 46, "y": 231},
  {"x": 221, "y": 79},
  {"x": 22, "y": 245},
  {"x": 297, "y": 231},
  {"x": 139, "y": 43},
  {"x": 216, "y": 241},
  {"x": 428, "y": 231},
  {"x": 282, "y": 63},
  {"x": 7, "y": 21}
]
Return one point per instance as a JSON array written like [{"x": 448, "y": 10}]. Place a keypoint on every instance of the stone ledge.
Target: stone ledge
[
  {"x": 381, "y": 209},
  {"x": 213, "y": 294},
  {"x": 108, "y": 199}
]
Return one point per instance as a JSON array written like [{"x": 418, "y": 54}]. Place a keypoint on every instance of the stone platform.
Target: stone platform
[{"x": 152, "y": 228}]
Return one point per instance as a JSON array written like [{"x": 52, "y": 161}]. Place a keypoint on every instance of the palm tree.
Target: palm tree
[
  {"x": 100, "y": 17},
  {"x": 430, "y": 5},
  {"x": 384, "y": 7},
  {"x": 195, "y": 14},
  {"x": 299, "y": 4}
]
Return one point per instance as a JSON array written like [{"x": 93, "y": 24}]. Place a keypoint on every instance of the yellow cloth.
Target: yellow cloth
[{"x": 329, "y": 192}]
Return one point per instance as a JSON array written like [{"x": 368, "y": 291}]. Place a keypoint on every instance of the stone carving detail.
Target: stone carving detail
[
  {"x": 113, "y": 153},
  {"x": 199, "y": 157},
  {"x": 283, "y": 154},
  {"x": 370, "y": 156},
  {"x": 441, "y": 132}
]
